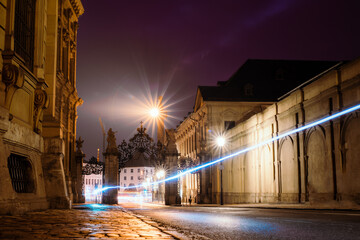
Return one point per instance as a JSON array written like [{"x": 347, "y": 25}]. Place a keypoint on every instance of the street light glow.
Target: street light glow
[
  {"x": 160, "y": 174},
  {"x": 154, "y": 112},
  {"x": 220, "y": 141},
  {"x": 241, "y": 151}
]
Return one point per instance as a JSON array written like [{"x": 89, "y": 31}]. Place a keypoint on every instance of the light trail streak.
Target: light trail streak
[{"x": 194, "y": 169}]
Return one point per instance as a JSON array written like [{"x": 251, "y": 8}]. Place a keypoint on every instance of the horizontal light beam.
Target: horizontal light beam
[{"x": 194, "y": 169}]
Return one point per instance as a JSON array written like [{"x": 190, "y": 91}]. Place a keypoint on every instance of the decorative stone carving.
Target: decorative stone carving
[
  {"x": 13, "y": 78},
  {"x": 77, "y": 6},
  {"x": 10, "y": 74},
  {"x": 66, "y": 35},
  {"x": 111, "y": 140},
  {"x": 72, "y": 46},
  {"x": 76, "y": 26},
  {"x": 41, "y": 102},
  {"x": 170, "y": 142},
  {"x": 79, "y": 144}
]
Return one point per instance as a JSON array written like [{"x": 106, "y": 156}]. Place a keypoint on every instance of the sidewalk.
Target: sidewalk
[
  {"x": 92, "y": 221},
  {"x": 300, "y": 206}
]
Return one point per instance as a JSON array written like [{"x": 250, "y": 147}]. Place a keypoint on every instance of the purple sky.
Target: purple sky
[{"x": 130, "y": 48}]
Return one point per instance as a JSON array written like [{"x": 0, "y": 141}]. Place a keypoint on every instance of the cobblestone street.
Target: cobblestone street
[{"x": 84, "y": 221}]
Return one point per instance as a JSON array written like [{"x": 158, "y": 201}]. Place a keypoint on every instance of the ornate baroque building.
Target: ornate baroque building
[
  {"x": 38, "y": 100},
  {"x": 262, "y": 100}
]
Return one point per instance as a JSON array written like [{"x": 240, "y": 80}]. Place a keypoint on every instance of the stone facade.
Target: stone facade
[
  {"x": 195, "y": 139},
  {"x": 317, "y": 166},
  {"x": 37, "y": 103}
]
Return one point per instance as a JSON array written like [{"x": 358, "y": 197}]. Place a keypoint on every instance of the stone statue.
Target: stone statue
[
  {"x": 111, "y": 140},
  {"x": 79, "y": 144},
  {"x": 170, "y": 141}
]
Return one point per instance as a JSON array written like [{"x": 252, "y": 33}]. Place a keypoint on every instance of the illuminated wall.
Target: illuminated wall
[
  {"x": 312, "y": 166},
  {"x": 61, "y": 115},
  {"x": 37, "y": 127},
  {"x": 318, "y": 165}
]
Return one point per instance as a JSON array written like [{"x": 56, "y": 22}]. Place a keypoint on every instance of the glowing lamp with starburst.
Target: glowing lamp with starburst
[
  {"x": 220, "y": 141},
  {"x": 154, "y": 112}
]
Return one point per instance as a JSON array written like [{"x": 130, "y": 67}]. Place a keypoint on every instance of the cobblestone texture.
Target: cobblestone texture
[{"x": 88, "y": 221}]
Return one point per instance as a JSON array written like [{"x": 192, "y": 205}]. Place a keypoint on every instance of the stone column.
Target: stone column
[
  {"x": 204, "y": 176},
  {"x": 111, "y": 170},
  {"x": 78, "y": 182},
  {"x": 172, "y": 196},
  {"x": 54, "y": 176}
]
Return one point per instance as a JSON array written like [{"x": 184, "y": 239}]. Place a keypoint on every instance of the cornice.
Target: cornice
[{"x": 77, "y": 6}]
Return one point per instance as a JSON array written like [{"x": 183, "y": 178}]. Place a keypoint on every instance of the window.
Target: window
[
  {"x": 131, "y": 170},
  {"x": 248, "y": 89},
  {"x": 21, "y": 174},
  {"x": 146, "y": 171},
  {"x": 124, "y": 185},
  {"x": 229, "y": 125},
  {"x": 131, "y": 178},
  {"x": 138, "y": 177},
  {"x": 138, "y": 170},
  {"x": 24, "y": 30},
  {"x": 124, "y": 170},
  {"x": 125, "y": 178}
]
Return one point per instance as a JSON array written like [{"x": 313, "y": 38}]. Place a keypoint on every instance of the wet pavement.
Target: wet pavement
[
  {"x": 263, "y": 222},
  {"x": 91, "y": 221}
]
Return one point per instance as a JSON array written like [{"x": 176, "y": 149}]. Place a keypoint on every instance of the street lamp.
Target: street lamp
[
  {"x": 220, "y": 141},
  {"x": 154, "y": 112},
  {"x": 160, "y": 174},
  {"x": 158, "y": 115}
]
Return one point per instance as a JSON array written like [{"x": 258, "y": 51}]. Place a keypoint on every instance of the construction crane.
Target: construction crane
[{"x": 104, "y": 133}]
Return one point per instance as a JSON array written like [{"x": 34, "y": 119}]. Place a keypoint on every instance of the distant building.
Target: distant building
[
  {"x": 138, "y": 169},
  {"x": 265, "y": 98},
  {"x": 38, "y": 102},
  {"x": 92, "y": 180},
  {"x": 136, "y": 172}
]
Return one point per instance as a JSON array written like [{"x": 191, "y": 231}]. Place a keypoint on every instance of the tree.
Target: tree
[{"x": 93, "y": 160}]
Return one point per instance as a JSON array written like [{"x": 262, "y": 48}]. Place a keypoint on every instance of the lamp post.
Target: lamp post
[{"x": 221, "y": 142}]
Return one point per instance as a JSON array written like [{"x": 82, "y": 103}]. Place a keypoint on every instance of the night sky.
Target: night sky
[{"x": 129, "y": 50}]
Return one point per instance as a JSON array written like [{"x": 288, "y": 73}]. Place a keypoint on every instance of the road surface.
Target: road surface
[{"x": 253, "y": 223}]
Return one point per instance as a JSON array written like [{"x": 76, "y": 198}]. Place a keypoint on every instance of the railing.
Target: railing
[{"x": 21, "y": 174}]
